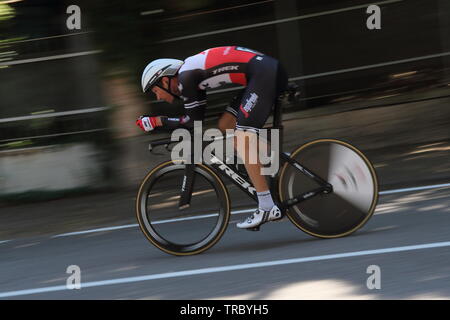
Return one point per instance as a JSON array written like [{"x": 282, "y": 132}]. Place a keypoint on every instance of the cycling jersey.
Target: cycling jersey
[{"x": 215, "y": 67}]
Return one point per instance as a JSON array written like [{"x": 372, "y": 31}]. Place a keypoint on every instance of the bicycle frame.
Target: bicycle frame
[
  {"x": 197, "y": 166},
  {"x": 231, "y": 172}
]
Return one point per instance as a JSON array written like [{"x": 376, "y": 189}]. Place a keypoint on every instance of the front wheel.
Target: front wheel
[
  {"x": 355, "y": 188},
  {"x": 192, "y": 229}
]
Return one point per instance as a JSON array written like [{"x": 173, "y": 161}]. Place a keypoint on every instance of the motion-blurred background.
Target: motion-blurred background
[{"x": 69, "y": 98}]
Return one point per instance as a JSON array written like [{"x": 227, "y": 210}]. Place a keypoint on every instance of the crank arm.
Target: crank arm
[{"x": 302, "y": 197}]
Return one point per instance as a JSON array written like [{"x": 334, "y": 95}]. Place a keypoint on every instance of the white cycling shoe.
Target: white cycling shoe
[{"x": 259, "y": 217}]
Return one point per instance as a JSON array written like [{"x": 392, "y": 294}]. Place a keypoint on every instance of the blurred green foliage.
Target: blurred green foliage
[{"x": 6, "y": 12}]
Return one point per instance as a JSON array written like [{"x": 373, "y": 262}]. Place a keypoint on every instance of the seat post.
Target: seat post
[{"x": 277, "y": 120}]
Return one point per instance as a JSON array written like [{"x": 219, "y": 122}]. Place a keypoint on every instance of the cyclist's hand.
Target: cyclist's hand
[{"x": 147, "y": 123}]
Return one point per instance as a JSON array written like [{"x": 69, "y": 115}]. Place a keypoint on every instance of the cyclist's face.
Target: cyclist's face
[{"x": 163, "y": 95}]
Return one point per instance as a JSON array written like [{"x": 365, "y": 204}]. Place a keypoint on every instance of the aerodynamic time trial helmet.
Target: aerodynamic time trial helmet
[{"x": 157, "y": 69}]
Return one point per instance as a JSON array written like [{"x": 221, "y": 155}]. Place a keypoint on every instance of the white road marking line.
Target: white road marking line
[
  {"x": 237, "y": 267},
  {"x": 436, "y": 186},
  {"x": 4, "y": 241},
  {"x": 186, "y": 219},
  {"x": 96, "y": 230},
  {"x": 156, "y": 222}
]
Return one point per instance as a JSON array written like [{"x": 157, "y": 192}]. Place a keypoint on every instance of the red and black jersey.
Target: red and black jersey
[
  {"x": 220, "y": 66},
  {"x": 212, "y": 68}
]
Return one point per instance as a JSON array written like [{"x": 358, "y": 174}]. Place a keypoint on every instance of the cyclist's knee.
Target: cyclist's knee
[
  {"x": 246, "y": 143},
  {"x": 226, "y": 121}
]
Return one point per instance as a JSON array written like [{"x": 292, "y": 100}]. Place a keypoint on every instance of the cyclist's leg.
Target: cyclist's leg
[
  {"x": 255, "y": 108},
  {"x": 226, "y": 121}
]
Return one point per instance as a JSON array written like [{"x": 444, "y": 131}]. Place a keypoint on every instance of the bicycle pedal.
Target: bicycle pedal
[{"x": 280, "y": 218}]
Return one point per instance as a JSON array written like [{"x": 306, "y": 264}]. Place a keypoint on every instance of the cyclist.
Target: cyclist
[{"x": 264, "y": 79}]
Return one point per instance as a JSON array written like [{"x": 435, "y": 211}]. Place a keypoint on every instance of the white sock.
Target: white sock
[{"x": 265, "y": 201}]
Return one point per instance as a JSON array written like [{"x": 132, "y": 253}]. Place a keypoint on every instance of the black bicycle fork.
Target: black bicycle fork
[{"x": 187, "y": 187}]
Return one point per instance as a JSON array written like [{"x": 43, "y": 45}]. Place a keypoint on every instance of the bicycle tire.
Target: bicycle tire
[
  {"x": 312, "y": 215},
  {"x": 149, "y": 229}
]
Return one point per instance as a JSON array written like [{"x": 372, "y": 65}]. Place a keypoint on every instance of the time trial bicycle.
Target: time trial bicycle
[{"x": 326, "y": 187}]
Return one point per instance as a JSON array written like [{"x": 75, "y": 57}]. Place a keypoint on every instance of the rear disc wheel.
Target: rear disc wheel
[{"x": 355, "y": 188}]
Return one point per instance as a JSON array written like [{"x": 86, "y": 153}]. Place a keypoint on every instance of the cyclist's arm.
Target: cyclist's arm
[
  {"x": 185, "y": 121},
  {"x": 194, "y": 101},
  {"x": 194, "y": 106}
]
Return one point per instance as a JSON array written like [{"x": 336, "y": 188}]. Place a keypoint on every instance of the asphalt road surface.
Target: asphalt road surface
[{"x": 406, "y": 243}]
